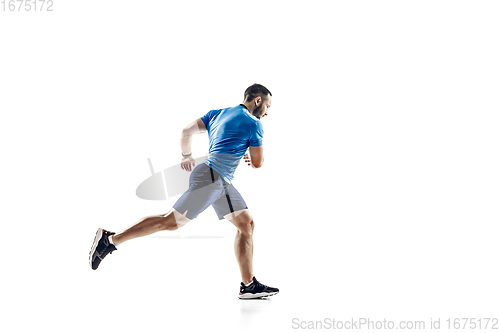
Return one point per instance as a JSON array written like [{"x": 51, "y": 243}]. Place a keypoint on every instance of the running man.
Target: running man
[{"x": 231, "y": 131}]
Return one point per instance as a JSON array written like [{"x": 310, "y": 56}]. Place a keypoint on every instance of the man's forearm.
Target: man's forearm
[{"x": 186, "y": 143}]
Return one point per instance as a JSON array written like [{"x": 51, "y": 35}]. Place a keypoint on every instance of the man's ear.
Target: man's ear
[{"x": 257, "y": 100}]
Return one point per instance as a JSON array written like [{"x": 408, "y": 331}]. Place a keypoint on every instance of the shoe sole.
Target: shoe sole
[
  {"x": 257, "y": 295},
  {"x": 97, "y": 238}
]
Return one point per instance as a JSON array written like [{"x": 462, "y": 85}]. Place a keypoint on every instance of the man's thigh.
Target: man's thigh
[
  {"x": 195, "y": 201},
  {"x": 230, "y": 202},
  {"x": 203, "y": 191}
]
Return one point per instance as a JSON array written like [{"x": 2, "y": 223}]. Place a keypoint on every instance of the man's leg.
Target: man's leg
[
  {"x": 243, "y": 248},
  {"x": 243, "y": 243},
  {"x": 105, "y": 242},
  {"x": 172, "y": 220}
]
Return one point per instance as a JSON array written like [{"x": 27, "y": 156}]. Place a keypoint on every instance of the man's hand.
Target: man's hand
[
  {"x": 254, "y": 157},
  {"x": 186, "y": 163},
  {"x": 247, "y": 159}
]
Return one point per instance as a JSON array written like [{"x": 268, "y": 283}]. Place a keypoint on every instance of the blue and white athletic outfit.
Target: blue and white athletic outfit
[{"x": 231, "y": 131}]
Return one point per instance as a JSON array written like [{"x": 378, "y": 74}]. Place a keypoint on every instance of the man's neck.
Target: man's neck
[{"x": 249, "y": 105}]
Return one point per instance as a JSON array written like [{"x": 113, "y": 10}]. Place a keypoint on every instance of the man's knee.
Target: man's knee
[
  {"x": 170, "y": 225},
  {"x": 244, "y": 222},
  {"x": 246, "y": 227},
  {"x": 173, "y": 220}
]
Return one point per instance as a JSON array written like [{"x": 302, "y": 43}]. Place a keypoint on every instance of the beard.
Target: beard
[{"x": 257, "y": 112}]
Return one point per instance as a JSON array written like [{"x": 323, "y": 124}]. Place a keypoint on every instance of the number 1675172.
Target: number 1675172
[{"x": 26, "y": 5}]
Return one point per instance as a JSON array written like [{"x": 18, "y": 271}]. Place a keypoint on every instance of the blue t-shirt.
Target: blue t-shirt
[{"x": 230, "y": 131}]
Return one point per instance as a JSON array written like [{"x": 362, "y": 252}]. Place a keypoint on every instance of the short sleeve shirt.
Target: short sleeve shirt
[{"x": 231, "y": 131}]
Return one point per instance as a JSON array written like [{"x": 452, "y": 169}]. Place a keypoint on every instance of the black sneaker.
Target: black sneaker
[
  {"x": 256, "y": 290},
  {"x": 100, "y": 248}
]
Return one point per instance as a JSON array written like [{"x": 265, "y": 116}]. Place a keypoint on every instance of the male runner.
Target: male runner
[{"x": 231, "y": 131}]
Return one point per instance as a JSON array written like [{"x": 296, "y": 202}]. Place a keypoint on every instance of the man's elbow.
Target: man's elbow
[
  {"x": 257, "y": 165},
  {"x": 186, "y": 133}
]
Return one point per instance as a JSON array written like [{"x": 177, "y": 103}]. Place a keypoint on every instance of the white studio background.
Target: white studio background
[{"x": 378, "y": 198}]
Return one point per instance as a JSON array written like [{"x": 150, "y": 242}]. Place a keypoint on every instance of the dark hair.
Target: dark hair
[{"x": 256, "y": 90}]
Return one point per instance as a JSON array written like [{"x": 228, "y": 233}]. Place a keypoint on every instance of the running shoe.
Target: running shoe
[
  {"x": 256, "y": 290},
  {"x": 100, "y": 248}
]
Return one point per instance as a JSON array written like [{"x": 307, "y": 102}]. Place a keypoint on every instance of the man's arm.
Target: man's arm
[
  {"x": 196, "y": 127},
  {"x": 256, "y": 157}
]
